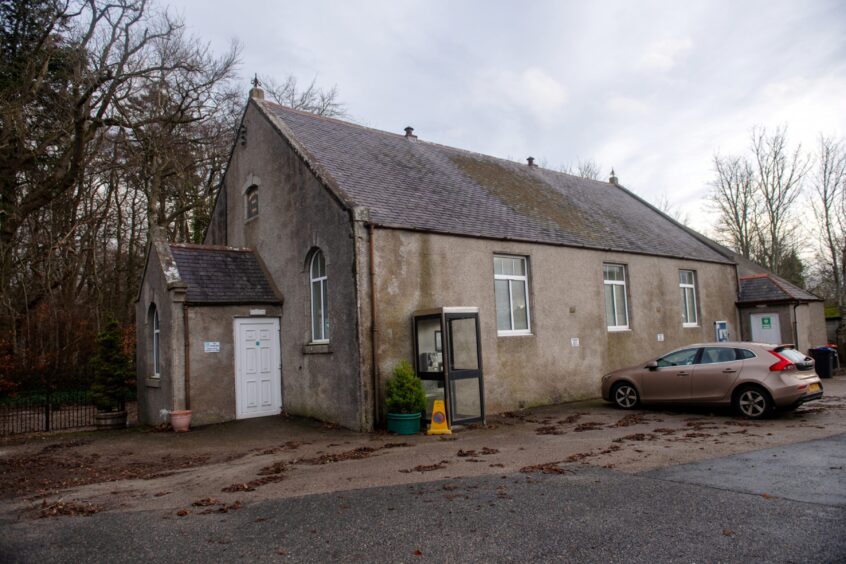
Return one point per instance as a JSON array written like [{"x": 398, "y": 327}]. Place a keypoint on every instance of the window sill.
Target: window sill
[
  {"x": 690, "y": 326},
  {"x": 317, "y": 348},
  {"x": 514, "y": 334},
  {"x": 153, "y": 382},
  {"x": 619, "y": 330},
  {"x": 250, "y": 219}
]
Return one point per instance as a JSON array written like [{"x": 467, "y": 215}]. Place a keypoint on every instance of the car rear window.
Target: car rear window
[
  {"x": 743, "y": 354},
  {"x": 792, "y": 355}
]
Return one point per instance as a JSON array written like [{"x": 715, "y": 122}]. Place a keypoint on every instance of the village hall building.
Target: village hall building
[{"x": 336, "y": 251}]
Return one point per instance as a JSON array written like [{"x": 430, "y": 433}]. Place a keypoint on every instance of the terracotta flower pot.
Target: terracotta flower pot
[{"x": 180, "y": 420}]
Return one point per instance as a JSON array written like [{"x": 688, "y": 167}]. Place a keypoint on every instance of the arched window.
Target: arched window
[
  {"x": 319, "y": 313},
  {"x": 251, "y": 201},
  {"x": 156, "y": 341}
]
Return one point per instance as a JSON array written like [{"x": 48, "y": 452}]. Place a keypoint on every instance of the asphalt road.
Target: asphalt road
[{"x": 586, "y": 515}]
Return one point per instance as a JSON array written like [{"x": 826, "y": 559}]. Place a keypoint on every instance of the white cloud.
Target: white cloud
[
  {"x": 664, "y": 54},
  {"x": 627, "y": 105},
  {"x": 532, "y": 90}
]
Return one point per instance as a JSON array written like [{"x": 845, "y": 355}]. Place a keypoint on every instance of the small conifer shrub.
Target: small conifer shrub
[
  {"x": 110, "y": 370},
  {"x": 405, "y": 392}
]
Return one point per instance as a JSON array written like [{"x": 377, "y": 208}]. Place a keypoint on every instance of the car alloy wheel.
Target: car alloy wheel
[
  {"x": 753, "y": 403},
  {"x": 625, "y": 396}
]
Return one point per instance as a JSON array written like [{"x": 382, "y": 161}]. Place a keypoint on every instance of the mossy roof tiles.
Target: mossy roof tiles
[{"x": 413, "y": 184}]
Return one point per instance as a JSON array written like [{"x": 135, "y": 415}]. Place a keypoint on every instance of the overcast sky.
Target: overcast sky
[{"x": 653, "y": 89}]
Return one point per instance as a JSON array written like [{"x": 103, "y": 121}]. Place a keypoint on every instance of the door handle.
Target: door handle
[
  {"x": 684, "y": 373},
  {"x": 729, "y": 370}
]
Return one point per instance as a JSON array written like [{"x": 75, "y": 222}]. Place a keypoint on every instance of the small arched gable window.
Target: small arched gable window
[
  {"x": 251, "y": 202},
  {"x": 155, "y": 338},
  {"x": 319, "y": 313}
]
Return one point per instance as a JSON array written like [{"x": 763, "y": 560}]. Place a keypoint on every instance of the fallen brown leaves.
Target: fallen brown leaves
[
  {"x": 427, "y": 467},
  {"x": 354, "y": 454},
  {"x": 588, "y": 426},
  {"x": 633, "y": 419},
  {"x": 547, "y": 468},
  {"x": 636, "y": 437},
  {"x": 212, "y": 505},
  {"x": 68, "y": 508},
  {"x": 484, "y": 451},
  {"x": 570, "y": 419},
  {"x": 60, "y": 466}
]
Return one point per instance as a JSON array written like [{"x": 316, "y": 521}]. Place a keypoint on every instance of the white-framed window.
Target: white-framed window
[
  {"x": 156, "y": 339},
  {"x": 251, "y": 203},
  {"x": 616, "y": 302},
  {"x": 319, "y": 301},
  {"x": 511, "y": 286},
  {"x": 687, "y": 285}
]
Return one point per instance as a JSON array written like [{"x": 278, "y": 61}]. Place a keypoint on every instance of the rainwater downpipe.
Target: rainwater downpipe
[
  {"x": 187, "y": 356},
  {"x": 374, "y": 331},
  {"x": 795, "y": 328}
]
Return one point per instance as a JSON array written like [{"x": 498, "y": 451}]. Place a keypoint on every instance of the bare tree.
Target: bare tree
[
  {"x": 780, "y": 172},
  {"x": 61, "y": 81},
  {"x": 733, "y": 195},
  {"x": 309, "y": 99},
  {"x": 663, "y": 204},
  {"x": 829, "y": 181},
  {"x": 588, "y": 168},
  {"x": 755, "y": 199},
  {"x": 112, "y": 121}
]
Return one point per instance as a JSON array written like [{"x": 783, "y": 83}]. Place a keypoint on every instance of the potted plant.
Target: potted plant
[
  {"x": 405, "y": 400},
  {"x": 110, "y": 370}
]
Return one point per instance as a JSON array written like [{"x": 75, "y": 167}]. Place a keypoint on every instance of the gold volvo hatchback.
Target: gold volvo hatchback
[{"x": 754, "y": 378}]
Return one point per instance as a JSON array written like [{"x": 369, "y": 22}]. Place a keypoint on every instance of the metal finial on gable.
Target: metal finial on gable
[
  {"x": 256, "y": 91},
  {"x": 613, "y": 180}
]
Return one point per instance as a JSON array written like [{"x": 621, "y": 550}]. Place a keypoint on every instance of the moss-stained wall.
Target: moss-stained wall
[
  {"x": 420, "y": 270},
  {"x": 297, "y": 214}
]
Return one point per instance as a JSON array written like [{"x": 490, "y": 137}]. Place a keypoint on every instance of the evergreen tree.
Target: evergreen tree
[{"x": 110, "y": 369}]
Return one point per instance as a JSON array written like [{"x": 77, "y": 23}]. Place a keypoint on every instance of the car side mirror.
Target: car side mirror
[{"x": 652, "y": 365}]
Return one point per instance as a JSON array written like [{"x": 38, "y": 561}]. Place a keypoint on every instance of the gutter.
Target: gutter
[
  {"x": 374, "y": 331},
  {"x": 187, "y": 353}
]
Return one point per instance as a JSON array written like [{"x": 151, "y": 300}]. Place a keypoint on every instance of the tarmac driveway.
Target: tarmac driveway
[{"x": 813, "y": 472}]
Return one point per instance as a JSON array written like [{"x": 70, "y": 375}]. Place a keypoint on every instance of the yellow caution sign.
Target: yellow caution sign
[{"x": 439, "y": 424}]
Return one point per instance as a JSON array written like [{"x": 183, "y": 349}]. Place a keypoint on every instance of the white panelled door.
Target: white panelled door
[{"x": 258, "y": 380}]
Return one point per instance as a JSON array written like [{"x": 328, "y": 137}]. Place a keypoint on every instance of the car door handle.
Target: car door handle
[
  {"x": 729, "y": 370},
  {"x": 684, "y": 373}
]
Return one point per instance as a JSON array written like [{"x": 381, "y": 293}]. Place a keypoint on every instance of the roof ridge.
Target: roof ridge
[
  {"x": 202, "y": 247},
  {"x": 780, "y": 282},
  {"x": 426, "y": 142},
  {"x": 758, "y": 275}
]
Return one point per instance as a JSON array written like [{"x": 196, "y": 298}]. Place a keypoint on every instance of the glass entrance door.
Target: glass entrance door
[
  {"x": 464, "y": 369},
  {"x": 428, "y": 347}
]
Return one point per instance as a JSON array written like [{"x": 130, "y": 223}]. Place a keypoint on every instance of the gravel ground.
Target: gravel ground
[{"x": 271, "y": 458}]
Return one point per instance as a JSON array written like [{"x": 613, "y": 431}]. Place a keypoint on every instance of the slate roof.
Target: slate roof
[
  {"x": 413, "y": 184},
  {"x": 762, "y": 288},
  {"x": 222, "y": 275}
]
